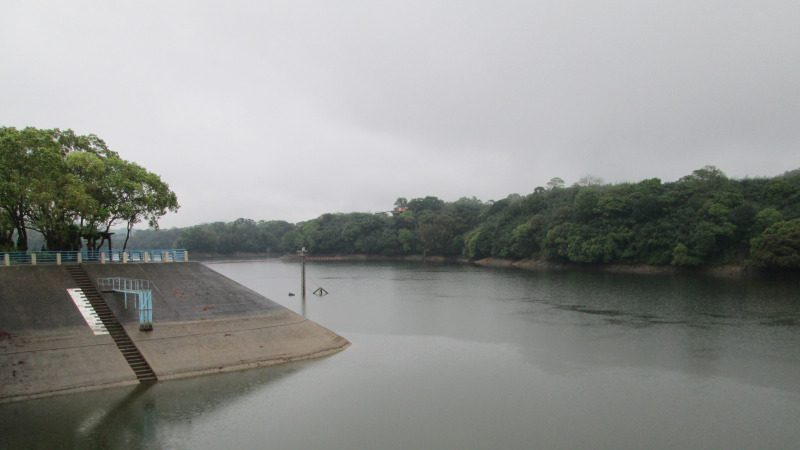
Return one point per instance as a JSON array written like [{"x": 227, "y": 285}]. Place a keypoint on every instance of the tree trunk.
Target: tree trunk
[
  {"x": 22, "y": 236},
  {"x": 7, "y": 239},
  {"x": 127, "y": 236}
]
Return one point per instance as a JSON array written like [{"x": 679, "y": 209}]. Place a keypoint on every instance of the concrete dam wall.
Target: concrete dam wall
[{"x": 204, "y": 323}]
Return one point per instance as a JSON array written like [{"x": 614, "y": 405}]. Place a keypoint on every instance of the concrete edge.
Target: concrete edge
[
  {"x": 177, "y": 376},
  {"x": 68, "y": 390},
  {"x": 257, "y": 363}
]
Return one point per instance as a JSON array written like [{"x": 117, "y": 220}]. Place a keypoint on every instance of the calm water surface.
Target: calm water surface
[{"x": 454, "y": 357}]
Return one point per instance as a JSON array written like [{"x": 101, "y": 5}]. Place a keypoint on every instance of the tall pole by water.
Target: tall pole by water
[
  {"x": 303, "y": 273},
  {"x": 303, "y": 279}
]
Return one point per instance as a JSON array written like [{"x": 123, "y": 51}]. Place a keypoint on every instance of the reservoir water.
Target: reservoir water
[{"x": 457, "y": 357}]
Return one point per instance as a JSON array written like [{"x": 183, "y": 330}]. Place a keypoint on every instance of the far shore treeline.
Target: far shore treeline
[
  {"x": 62, "y": 191},
  {"x": 704, "y": 218}
]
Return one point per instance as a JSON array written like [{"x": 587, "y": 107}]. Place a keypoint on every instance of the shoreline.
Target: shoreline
[
  {"x": 243, "y": 257},
  {"x": 533, "y": 265},
  {"x": 723, "y": 271}
]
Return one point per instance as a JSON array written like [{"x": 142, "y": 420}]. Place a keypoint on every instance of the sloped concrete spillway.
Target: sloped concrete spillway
[{"x": 204, "y": 322}]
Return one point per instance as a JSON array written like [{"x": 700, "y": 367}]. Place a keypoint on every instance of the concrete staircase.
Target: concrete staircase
[{"x": 144, "y": 373}]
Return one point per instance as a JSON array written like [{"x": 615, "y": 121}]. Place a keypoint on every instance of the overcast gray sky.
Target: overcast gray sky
[{"x": 290, "y": 109}]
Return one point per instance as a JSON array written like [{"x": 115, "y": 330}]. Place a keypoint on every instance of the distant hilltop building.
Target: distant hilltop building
[{"x": 399, "y": 210}]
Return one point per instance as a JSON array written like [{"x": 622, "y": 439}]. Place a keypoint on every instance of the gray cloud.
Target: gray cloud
[{"x": 291, "y": 109}]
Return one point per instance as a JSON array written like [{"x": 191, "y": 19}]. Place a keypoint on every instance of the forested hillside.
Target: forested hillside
[{"x": 703, "y": 218}]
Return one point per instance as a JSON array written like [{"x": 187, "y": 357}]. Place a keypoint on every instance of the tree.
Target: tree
[
  {"x": 6, "y": 232},
  {"x": 438, "y": 234},
  {"x": 95, "y": 173},
  {"x": 778, "y": 247},
  {"x": 68, "y": 186},
  {"x": 586, "y": 204},
  {"x": 145, "y": 197},
  {"x": 428, "y": 203},
  {"x": 681, "y": 257},
  {"x": 708, "y": 174},
  {"x": 22, "y": 155},
  {"x": 766, "y": 218},
  {"x": 523, "y": 242},
  {"x": 198, "y": 238},
  {"x": 558, "y": 241},
  {"x": 589, "y": 180},
  {"x": 406, "y": 240},
  {"x": 555, "y": 183},
  {"x": 48, "y": 196}
]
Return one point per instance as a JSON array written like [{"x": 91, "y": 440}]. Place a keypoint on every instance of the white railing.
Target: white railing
[
  {"x": 95, "y": 256},
  {"x": 122, "y": 284}
]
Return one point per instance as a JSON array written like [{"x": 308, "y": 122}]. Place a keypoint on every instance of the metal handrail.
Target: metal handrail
[
  {"x": 140, "y": 288},
  {"x": 95, "y": 256},
  {"x": 123, "y": 284}
]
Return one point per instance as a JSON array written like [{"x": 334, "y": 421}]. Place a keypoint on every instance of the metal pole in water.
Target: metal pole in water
[
  {"x": 303, "y": 279},
  {"x": 303, "y": 273}
]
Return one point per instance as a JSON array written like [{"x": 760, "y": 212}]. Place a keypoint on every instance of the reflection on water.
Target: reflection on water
[
  {"x": 459, "y": 357},
  {"x": 131, "y": 417}
]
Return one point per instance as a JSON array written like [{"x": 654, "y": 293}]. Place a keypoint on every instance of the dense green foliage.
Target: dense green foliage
[
  {"x": 778, "y": 246},
  {"x": 703, "y": 218},
  {"x": 71, "y": 188},
  {"x": 62, "y": 189}
]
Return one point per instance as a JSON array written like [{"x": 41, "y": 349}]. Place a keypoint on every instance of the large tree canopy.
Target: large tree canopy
[{"x": 69, "y": 187}]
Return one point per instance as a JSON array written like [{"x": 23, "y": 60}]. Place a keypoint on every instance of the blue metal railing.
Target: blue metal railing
[
  {"x": 17, "y": 258},
  {"x": 96, "y": 256}
]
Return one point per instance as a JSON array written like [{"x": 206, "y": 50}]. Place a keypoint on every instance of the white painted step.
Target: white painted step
[{"x": 87, "y": 311}]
